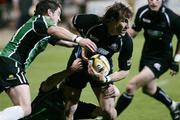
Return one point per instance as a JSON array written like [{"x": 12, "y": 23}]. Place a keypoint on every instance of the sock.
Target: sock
[
  {"x": 173, "y": 106},
  {"x": 123, "y": 102},
  {"x": 12, "y": 113},
  {"x": 161, "y": 96}
]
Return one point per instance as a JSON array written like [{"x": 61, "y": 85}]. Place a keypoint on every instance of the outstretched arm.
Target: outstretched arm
[
  {"x": 63, "y": 34},
  {"x": 66, "y": 43},
  {"x": 56, "y": 78}
]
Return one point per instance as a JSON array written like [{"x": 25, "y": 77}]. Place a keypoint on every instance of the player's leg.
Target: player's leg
[
  {"x": 106, "y": 104},
  {"x": 20, "y": 96},
  {"x": 157, "y": 93},
  {"x": 71, "y": 97},
  {"x": 14, "y": 82},
  {"x": 144, "y": 77}
]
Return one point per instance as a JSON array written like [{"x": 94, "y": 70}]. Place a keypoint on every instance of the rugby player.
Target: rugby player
[
  {"x": 109, "y": 34},
  {"x": 49, "y": 103},
  {"x": 159, "y": 24},
  {"x": 29, "y": 40}
]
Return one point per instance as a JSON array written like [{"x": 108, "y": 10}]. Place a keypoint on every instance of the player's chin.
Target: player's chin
[{"x": 123, "y": 33}]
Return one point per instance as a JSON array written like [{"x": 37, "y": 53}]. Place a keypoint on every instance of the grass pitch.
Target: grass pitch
[{"x": 143, "y": 107}]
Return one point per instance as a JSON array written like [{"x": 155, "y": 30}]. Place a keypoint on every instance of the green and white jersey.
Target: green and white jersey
[{"x": 29, "y": 40}]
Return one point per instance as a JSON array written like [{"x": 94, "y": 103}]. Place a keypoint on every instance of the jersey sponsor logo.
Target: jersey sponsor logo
[
  {"x": 157, "y": 66},
  {"x": 146, "y": 20},
  {"x": 114, "y": 47},
  {"x": 11, "y": 77},
  {"x": 102, "y": 51}
]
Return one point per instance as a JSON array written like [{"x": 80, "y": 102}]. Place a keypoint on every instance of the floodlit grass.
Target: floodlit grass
[{"x": 143, "y": 107}]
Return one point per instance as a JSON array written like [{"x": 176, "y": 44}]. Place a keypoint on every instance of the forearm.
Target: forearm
[
  {"x": 54, "y": 80},
  {"x": 118, "y": 75},
  {"x": 177, "y": 53},
  {"x": 66, "y": 43},
  {"x": 62, "y": 33}
]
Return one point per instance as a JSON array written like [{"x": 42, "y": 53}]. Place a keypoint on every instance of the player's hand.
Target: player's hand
[
  {"x": 110, "y": 91},
  {"x": 174, "y": 68},
  {"x": 84, "y": 54},
  {"x": 76, "y": 65},
  {"x": 88, "y": 44},
  {"x": 96, "y": 76}
]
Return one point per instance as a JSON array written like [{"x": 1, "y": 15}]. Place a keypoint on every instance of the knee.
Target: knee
[
  {"x": 27, "y": 109},
  {"x": 109, "y": 113},
  {"x": 70, "y": 108},
  {"x": 131, "y": 87}
]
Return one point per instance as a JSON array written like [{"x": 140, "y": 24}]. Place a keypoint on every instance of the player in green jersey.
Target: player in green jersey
[{"x": 29, "y": 40}]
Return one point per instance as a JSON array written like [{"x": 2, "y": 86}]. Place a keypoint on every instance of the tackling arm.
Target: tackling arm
[
  {"x": 66, "y": 43},
  {"x": 56, "y": 78},
  {"x": 62, "y": 33}
]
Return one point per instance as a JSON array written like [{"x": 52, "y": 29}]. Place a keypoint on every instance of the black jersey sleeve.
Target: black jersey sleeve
[
  {"x": 52, "y": 40},
  {"x": 125, "y": 56},
  {"x": 176, "y": 25},
  {"x": 137, "y": 26},
  {"x": 85, "y": 21}
]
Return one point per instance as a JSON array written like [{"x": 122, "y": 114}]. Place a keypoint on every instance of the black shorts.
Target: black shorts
[
  {"x": 157, "y": 66},
  {"x": 11, "y": 74}
]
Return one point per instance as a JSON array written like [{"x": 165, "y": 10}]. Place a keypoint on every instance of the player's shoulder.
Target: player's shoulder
[
  {"x": 87, "y": 17},
  {"x": 170, "y": 12},
  {"x": 43, "y": 19}
]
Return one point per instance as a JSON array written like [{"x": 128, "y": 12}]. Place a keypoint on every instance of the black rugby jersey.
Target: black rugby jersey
[
  {"x": 90, "y": 26},
  {"x": 29, "y": 40},
  {"x": 159, "y": 28}
]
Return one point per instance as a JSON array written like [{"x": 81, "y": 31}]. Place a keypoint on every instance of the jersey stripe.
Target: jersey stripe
[
  {"x": 167, "y": 18},
  {"x": 18, "y": 70},
  {"x": 140, "y": 16},
  {"x": 19, "y": 42}
]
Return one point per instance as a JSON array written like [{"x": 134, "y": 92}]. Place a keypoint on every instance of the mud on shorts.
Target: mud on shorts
[{"x": 11, "y": 74}]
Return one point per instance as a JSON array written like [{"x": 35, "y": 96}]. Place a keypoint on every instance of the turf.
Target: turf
[{"x": 143, "y": 107}]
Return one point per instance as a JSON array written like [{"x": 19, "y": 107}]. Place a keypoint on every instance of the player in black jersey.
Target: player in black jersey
[
  {"x": 109, "y": 34},
  {"x": 159, "y": 24},
  {"x": 29, "y": 40},
  {"x": 49, "y": 103}
]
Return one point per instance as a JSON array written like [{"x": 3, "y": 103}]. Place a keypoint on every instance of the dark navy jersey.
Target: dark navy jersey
[
  {"x": 90, "y": 26},
  {"x": 159, "y": 28}
]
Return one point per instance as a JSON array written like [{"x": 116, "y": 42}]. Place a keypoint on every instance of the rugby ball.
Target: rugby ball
[{"x": 100, "y": 64}]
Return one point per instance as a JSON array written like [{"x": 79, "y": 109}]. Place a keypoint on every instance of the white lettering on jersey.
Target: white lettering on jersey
[
  {"x": 102, "y": 51},
  {"x": 146, "y": 20}
]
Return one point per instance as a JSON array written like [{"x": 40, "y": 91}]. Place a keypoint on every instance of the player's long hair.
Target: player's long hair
[
  {"x": 117, "y": 11},
  {"x": 43, "y": 6}
]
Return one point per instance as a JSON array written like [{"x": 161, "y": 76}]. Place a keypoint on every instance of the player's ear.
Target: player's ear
[{"x": 49, "y": 12}]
